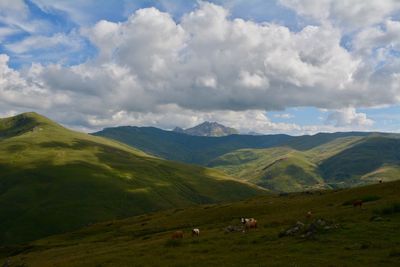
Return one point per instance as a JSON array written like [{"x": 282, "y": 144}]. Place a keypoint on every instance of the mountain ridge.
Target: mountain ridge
[{"x": 207, "y": 128}]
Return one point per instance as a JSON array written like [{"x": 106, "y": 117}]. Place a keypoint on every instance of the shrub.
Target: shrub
[
  {"x": 364, "y": 199},
  {"x": 390, "y": 209}
]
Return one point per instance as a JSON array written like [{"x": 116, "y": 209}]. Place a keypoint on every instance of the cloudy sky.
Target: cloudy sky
[{"x": 278, "y": 66}]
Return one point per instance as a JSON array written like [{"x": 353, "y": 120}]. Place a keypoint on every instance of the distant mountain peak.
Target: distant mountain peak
[{"x": 208, "y": 129}]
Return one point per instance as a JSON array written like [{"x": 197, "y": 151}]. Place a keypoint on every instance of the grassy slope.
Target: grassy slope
[
  {"x": 342, "y": 162},
  {"x": 362, "y": 159},
  {"x": 53, "y": 180},
  {"x": 144, "y": 240},
  {"x": 202, "y": 150},
  {"x": 188, "y": 148}
]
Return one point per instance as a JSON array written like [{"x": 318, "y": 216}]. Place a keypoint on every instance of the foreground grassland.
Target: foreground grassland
[
  {"x": 54, "y": 180},
  {"x": 361, "y": 237}
]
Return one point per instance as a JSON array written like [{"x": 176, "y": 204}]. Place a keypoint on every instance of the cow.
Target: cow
[
  {"x": 358, "y": 202},
  {"x": 177, "y": 235},
  {"x": 248, "y": 223},
  {"x": 195, "y": 232},
  {"x": 309, "y": 214}
]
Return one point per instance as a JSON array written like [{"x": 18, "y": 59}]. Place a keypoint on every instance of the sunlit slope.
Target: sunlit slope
[
  {"x": 350, "y": 237},
  {"x": 278, "y": 169},
  {"x": 53, "y": 179},
  {"x": 343, "y": 162}
]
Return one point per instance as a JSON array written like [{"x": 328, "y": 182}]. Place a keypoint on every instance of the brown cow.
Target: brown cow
[
  {"x": 249, "y": 223},
  {"x": 177, "y": 235},
  {"x": 358, "y": 202}
]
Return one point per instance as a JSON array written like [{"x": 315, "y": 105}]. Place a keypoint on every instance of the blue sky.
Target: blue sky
[{"x": 264, "y": 66}]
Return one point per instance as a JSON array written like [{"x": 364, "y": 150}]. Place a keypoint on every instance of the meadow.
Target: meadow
[{"x": 351, "y": 236}]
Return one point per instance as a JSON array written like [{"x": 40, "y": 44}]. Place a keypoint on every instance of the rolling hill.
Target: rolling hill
[
  {"x": 343, "y": 162},
  {"x": 341, "y": 234},
  {"x": 203, "y": 149},
  {"x": 187, "y": 148},
  {"x": 53, "y": 179},
  {"x": 280, "y": 163}
]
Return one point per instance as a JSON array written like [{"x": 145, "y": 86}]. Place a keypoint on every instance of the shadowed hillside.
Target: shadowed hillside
[
  {"x": 187, "y": 148},
  {"x": 337, "y": 234},
  {"x": 202, "y": 150},
  {"x": 361, "y": 159},
  {"x": 53, "y": 180}
]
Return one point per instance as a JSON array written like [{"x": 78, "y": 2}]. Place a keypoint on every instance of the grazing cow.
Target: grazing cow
[
  {"x": 177, "y": 235},
  {"x": 380, "y": 181},
  {"x": 245, "y": 220},
  {"x": 249, "y": 223},
  {"x": 358, "y": 202},
  {"x": 195, "y": 232},
  {"x": 309, "y": 214}
]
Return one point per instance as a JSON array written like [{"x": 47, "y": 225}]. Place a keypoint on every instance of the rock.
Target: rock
[
  {"x": 232, "y": 228},
  {"x": 376, "y": 219}
]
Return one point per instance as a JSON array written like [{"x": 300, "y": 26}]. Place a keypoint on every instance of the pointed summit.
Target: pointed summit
[{"x": 208, "y": 129}]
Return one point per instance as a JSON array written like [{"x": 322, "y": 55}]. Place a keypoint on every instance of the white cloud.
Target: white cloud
[
  {"x": 348, "y": 15},
  {"x": 349, "y": 117},
  {"x": 284, "y": 116},
  {"x": 38, "y": 42},
  {"x": 152, "y": 70},
  {"x": 15, "y": 14}
]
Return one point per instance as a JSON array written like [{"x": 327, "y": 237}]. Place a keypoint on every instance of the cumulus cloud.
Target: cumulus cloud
[
  {"x": 349, "y": 117},
  {"x": 153, "y": 70},
  {"x": 349, "y": 15}
]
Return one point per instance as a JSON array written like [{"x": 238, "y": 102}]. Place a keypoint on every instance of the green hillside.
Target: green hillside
[
  {"x": 361, "y": 159},
  {"x": 187, "y": 148},
  {"x": 53, "y": 180},
  {"x": 341, "y": 235},
  {"x": 203, "y": 149},
  {"x": 343, "y": 162},
  {"x": 279, "y": 169}
]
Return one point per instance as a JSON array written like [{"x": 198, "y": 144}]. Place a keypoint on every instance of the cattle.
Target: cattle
[
  {"x": 195, "y": 232},
  {"x": 248, "y": 223},
  {"x": 244, "y": 220},
  {"x": 357, "y": 203},
  {"x": 309, "y": 214},
  {"x": 177, "y": 235}
]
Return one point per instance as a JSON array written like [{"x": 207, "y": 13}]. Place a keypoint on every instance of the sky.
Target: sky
[{"x": 265, "y": 66}]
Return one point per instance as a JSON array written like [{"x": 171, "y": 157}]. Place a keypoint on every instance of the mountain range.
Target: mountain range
[
  {"x": 280, "y": 163},
  {"x": 55, "y": 180},
  {"x": 208, "y": 129}
]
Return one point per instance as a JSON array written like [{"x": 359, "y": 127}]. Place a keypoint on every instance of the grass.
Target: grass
[
  {"x": 363, "y": 198},
  {"x": 55, "y": 180},
  {"x": 145, "y": 240},
  {"x": 389, "y": 209},
  {"x": 343, "y": 162}
]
